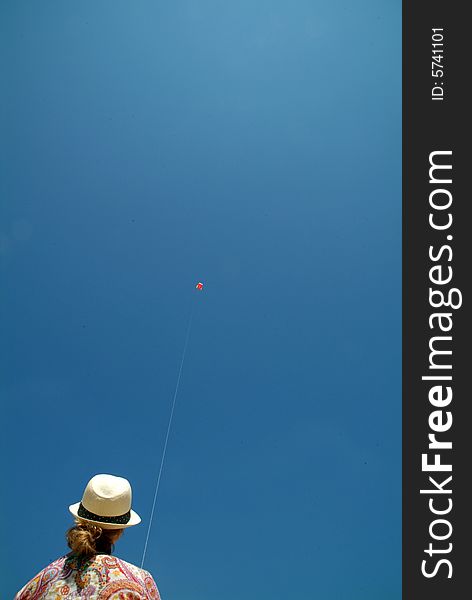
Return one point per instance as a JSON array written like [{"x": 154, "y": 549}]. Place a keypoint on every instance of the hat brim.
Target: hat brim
[{"x": 135, "y": 519}]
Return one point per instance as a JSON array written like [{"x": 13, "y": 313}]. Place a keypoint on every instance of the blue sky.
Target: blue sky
[{"x": 254, "y": 146}]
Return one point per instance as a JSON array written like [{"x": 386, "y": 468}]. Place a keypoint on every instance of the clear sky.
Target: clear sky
[{"x": 253, "y": 145}]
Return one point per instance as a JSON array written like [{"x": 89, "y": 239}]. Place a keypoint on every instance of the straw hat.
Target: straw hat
[{"x": 107, "y": 502}]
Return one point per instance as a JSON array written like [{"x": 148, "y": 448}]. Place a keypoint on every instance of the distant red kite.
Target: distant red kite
[{"x": 199, "y": 285}]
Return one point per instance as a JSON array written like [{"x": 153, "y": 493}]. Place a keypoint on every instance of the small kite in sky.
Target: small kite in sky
[{"x": 199, "y": 286}]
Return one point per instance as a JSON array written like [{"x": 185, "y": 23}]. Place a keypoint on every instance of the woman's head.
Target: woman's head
[
  {"x": 87, "y": 539},
  {"x": 101, "y": 516}
]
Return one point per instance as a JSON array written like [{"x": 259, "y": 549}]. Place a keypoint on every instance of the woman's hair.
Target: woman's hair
[{"x": 86, "y": 539}]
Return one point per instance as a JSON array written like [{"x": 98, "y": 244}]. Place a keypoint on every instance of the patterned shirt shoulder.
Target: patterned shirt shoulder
[{"x": 102, "y": 577}]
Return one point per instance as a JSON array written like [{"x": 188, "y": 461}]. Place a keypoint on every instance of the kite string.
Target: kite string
[{"x": 169, "y": 425}]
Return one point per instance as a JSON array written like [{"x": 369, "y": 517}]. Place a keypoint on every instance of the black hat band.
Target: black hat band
[{"x": 119, "y": 520}]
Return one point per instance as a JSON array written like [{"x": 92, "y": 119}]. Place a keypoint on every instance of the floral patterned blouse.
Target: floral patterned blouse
[{"x": 102, "y": 577}]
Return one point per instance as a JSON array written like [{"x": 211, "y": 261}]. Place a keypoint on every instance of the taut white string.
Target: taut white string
[{"x": 169, "y": 425}]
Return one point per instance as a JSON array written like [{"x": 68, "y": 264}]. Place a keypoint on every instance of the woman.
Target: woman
[{"x": 89, "y": 571}]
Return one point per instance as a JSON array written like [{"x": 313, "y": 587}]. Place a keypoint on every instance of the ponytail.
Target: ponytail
[{"x": 87, "y": 539}]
